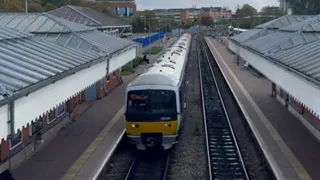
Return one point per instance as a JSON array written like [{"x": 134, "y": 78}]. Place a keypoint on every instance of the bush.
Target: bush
[
  {"x": 127, "y": 68},
  {"x": 153, "y": 50}
]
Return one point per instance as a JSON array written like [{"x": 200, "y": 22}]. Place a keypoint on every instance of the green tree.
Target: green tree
[
  {"x": 13, "y": 6},
  {"x": 206, "y": 20},
  {"x": 272, "y": 10},
  {"x": 244, "y": 16},
  {"x": 49, "y": 7},
  {"x": 245, "y": 11},
  {"x": 35, "y": 6},
  {"x": 222, "y": 22},
  {"x": 141, "y": 21}
]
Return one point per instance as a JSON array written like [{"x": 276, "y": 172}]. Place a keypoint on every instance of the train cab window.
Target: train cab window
[{"x": 151, "y": 102}]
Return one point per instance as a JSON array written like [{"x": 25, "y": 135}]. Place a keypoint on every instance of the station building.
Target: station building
[
  {"x": 92, "y": 18},
  {"x": 48, "y": 65},
  {"x": 286, "y": 51}
]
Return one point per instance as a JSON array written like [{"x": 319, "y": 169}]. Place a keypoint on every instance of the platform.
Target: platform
[
  {"x": 80, "y": 150},
  {"x": 292, "y": 150}
]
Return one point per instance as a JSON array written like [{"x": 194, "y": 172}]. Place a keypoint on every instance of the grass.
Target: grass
[
  {"x": 153, "y": 50},
  {"x": 126, "y": 69}
]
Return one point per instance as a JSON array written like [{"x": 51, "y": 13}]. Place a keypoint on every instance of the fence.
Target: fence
[{"x": 145, "y": 41}]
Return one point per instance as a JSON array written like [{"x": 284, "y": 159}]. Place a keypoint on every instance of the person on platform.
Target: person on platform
[{"x": 145, "y": 58}]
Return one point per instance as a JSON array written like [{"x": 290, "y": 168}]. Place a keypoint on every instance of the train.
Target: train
[
  {"x": 156, "y": 99},
  {"x": 234, "y": 31}
]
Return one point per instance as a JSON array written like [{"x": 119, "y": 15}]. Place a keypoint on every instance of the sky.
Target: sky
[{"x": 232, "y": 4}]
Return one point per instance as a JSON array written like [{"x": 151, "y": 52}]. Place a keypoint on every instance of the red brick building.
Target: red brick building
[
  {"x": 123, "y": 8},
  {"x": 216, "y": 13}
]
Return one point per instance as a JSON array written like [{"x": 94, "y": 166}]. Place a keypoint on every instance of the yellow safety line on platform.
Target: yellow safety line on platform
[
  {"x": 296, "y": 165},
  {"x": 75, "y": 168}
]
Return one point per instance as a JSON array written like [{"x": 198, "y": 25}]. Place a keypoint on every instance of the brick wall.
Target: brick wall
[
  {"x": 113, "y": 80},
  {"x": 298, "y": 107}
]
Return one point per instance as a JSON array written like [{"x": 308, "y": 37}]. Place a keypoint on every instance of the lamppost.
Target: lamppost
[{"x": 26, "y": 5}]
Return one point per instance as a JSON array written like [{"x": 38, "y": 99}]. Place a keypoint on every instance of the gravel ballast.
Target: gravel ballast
[{"x": 189, "y": 157}]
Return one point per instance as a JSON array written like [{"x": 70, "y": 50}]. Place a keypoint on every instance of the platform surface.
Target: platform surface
[{"x": 294, "y": 150}]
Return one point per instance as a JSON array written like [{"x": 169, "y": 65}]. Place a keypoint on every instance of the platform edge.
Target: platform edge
[{"x": 107, "y": 157}]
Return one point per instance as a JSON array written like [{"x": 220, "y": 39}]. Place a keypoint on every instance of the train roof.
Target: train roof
[
  {"x": 168, "y": 68},
  {"x": 239, "y": 29}
]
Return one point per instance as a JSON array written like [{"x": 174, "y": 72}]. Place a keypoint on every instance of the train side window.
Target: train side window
[{"x": 181, "y": 100}]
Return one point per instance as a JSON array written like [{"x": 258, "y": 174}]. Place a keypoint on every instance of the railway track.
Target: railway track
[
  {"x": 233, "y": 151},
  {"x": 149, "y": 165},
  {"x": 224, "y": 156}
]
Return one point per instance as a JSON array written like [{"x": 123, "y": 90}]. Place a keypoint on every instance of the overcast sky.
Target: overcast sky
[{"x": 166, "y": 4}]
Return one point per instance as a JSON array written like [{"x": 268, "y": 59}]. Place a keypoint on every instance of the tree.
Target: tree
[
  {"x": 272, "y": 11},
  {"x": 142, "y": 19},
  {"x": 245, "y": 11},
  {"x": 244, "y": 16},
  {"x": 35, "y": 6},
  {"x": 13, "y": 6},
  {"x": 206, "y": 20},
  {"x": 222, "y": 22}
]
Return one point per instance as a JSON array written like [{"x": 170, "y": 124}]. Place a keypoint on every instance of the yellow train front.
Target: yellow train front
[
  {"x": 155, "y": 100},
  {"x": 152, "y": 119}
]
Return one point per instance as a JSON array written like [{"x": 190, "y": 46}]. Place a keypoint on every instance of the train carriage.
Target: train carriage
[
  {"x": 235, "y": 31},
  {"x": 155, "y": 100}
]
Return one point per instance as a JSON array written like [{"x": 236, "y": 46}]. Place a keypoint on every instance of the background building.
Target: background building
[
  {"x": 122, "y": 8},
  {"x": 216, "y": 13},
  {"x": 183, "y": 16},
  {"x": 89, "y": 17},
  {"x": 285, "y": 6}
]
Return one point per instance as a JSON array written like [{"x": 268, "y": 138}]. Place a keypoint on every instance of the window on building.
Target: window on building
[
  {"x": 51, "y": 115},
  {"x": 130, "y": 11},
  {"x": 16, "y": 140},
  {"x": 60, "y": 110},
  {"x": 36, "y": 126},
  {"x": 122, "y": 12},
  {"x": 113, "y": 75}
]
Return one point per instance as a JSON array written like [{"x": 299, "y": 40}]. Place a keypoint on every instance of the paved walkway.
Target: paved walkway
[
  {"x": 298, "y": 145},
  {"x": 54, "y": 160}
]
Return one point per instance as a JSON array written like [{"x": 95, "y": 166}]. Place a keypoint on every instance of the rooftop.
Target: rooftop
[
  {"x": 293, "y": 41},
  {"x": 269, "y": 27},
  {"x": 284, "y": 21},
  {"x": 64, "y": 32},
  {"x": 26, "y": 60},
  {"x": 88, "y": 17},
  {"x": 39, "y": 23}
]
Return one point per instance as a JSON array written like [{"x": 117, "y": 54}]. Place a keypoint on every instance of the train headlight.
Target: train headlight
[
  {"x": 135, "y": 125},
  {"x": 167, "y": 125}
]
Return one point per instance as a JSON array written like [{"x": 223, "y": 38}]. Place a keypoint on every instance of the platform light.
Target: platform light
[{"x": 135, "y": 125}]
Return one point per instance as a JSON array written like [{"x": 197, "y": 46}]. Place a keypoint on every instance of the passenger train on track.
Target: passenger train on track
[
  {"x": 234, "y": 31},
  {"x": 155, "y": 100}
]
